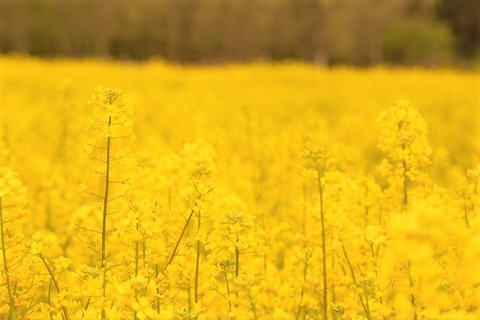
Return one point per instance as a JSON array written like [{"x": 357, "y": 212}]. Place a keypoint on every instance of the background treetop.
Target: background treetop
[{"x": 360, "y": 32}]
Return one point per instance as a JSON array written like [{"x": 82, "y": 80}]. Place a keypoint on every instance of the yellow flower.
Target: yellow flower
[
  {"x": 403, "y": 135},
  {"x": 143, "y": 308},
  {"x": 61, "y": 263}
]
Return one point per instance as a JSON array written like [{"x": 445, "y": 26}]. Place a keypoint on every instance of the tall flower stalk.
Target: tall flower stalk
[
  {"x": 404, "y": 140},
  {"x": 109, "y": 123},
  {"x": 319, "y": 161},
  {"x": 12, "y": 201},
  {"x": 6, "y": 272}
]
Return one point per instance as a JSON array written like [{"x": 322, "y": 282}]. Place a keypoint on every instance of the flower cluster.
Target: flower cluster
[{"x": 233, "y": 214}]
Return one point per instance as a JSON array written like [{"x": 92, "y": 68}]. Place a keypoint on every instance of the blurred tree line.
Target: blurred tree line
[{"x": 360, "y": 32}]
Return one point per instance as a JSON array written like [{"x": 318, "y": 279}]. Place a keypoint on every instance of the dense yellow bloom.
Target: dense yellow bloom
[
  {"x": 12, "y": 191},
  {"x": 253, "y": 192},
  {"x": 403, "y": 136}
]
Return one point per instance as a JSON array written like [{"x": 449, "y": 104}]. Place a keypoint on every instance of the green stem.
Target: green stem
[
  {"x": 465, "y": 209},
  {"x": 157, "y": 302},
  {"x": 87, "y": 304},
  {"x": 334, "y": 297},
  {"x": 366, "y": 307},
  {"x": 412, "y": 296},
  {"x": 52, "y": 277},
  {"x": 179, "y": 240},
  {"x": 137, "y": 255},
  {"x": 197, "y": 260},
  {"x": 254, "y": 307},
  {"x": 189, "y": 298},
  {"x": 405, "y": 184},
  {"x": 49, "y": 298},
  {"x": 352, "y": 273},
  {"x": 5, "y": 266},
  {"x": 228, "y": 294},
  {"x": 324, "y": 246},
  {"x": 135, "y": 317},
  {"x": 144, "y": 253},
  {"x": 104, "y": 218},
  {"x": 302, "y": 292},
  {"x": 237, "y": 259}
]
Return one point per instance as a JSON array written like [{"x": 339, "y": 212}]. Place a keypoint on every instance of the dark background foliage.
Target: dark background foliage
[{"x": 358, "y": 32}]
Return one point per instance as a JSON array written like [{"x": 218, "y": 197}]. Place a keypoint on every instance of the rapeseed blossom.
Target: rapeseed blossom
[{"x": 291, "y": 204}]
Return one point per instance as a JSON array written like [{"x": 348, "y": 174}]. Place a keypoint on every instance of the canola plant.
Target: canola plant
[{"x": 261, "y": 191}]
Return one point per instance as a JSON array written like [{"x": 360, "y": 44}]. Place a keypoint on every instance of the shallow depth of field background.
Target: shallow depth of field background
[{"x": 264, "y": 171}]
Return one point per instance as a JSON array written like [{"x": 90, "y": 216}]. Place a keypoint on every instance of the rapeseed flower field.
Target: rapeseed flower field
[{"x": 259, "y": 191}]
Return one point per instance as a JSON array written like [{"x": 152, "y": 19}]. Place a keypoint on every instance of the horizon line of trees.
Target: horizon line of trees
[{"x": 359, "y": 32}]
